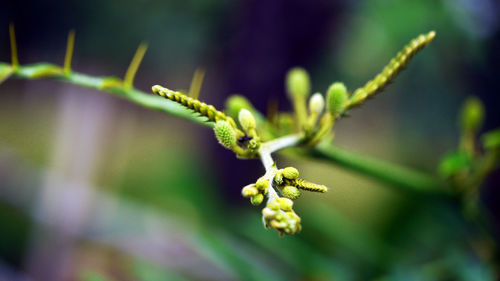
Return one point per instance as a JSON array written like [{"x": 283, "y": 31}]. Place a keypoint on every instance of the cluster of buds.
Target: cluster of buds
[
  {"x": 256, "y": 191},
  {"x": 278, "y": 212},
  {"x": 244, "y": 143},
  {"x": 289, "y": 183},
  {"x": 279, "y": 215},
  {"x": 312, "y": 117}
]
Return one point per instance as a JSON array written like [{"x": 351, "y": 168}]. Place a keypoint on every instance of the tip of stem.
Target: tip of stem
[
  {"x": 134, "y": 65},
  {"x": 13, "y": 47},
  {"x": 196, "y": 83},
  {"x": 70, "y": 46}
]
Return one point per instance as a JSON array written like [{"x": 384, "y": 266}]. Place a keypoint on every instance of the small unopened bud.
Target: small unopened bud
[
  {"x": 472, "y": 114},
  {"x": 236, "y": 103},
  {"x": 336, "y": 98},
  {"x": 249, "y": 190},
  {"x": 298, "y": 83},
  {"x": 291, "y": 192},
  {"x": 274, "y": 205},
  {"x": 257, "y": 199},
  {"x": 268, "y": 213},
  {"x": 262, "y": 183},
  {"x": 247, "y": 121},
  {"x": 225, "y": 134},
  {"x": 290, "y": 173},
  {"x": 285, "y": 204},
  {"x": 316, "y": 104}
]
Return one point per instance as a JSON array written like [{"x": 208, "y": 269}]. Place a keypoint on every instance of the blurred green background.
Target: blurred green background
[{"x": 95, "y": 188}]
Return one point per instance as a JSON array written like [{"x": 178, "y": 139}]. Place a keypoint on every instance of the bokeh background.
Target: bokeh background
[{"x": 95, "y": 188}]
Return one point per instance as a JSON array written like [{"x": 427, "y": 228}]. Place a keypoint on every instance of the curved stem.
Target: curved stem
[
  {"x": 379, "y": 170},
  {"x": 265, "y": 151}
]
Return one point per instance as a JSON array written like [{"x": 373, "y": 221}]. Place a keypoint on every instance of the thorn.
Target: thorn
[
  {"x": 196, "y": 82},
  {"x": 134, "y": 65},
  {"x": 13, "y": 47},
  {"x": 70, "y": 46}
]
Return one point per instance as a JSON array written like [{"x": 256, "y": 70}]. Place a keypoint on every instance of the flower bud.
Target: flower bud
[
  {"x": 291, "y": 192},
  {"x": 336, "y": 98},
  {"x": 257, "y": 199},
  {"x": 298, "y": 83},
  {"x": 285, "y": 204},
  {"x": 247, "y": 121},
  {"x": 274, "y": 205},
  {"x": 290, "y": 173},
  {"x": 472, "y": 115},
  {"x": 225, "y": 134},
  {"x": 316, "y": 103},
  {"x": 249, "y": 190},
  {"x": 236, "y": 103},
  {"x": 262, "y": 183}
]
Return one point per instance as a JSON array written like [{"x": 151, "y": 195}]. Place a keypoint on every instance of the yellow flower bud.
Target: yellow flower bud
[
  {"x": 285, "y": 204},
  {"x": 316, "y": 104},
  {"x": 249, "y": 190},
  {"x": 225, "y": 134},
  {"x": 274, "y": 205},
  {"x": 262, "y": 183},
  {"x": 336, "y": 98},
  {"x": 290, "y": 173},
  {"x": 247, "y": 121},
  {"x": 291, "y": 192},
  {"x": 257, "y": 199},
  {"x": 298, "y": 83}
]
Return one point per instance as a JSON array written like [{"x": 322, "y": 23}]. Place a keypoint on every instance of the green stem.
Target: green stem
[
  {"x": 379, "y": 170},
  {"x": 109, "y": 85}
]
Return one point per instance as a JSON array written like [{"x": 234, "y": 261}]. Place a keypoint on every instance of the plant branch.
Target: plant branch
[
  {"x": 376, "y": 169},
  {"x": 111, "y": 85},
  {"x": 379, "y": 170}
]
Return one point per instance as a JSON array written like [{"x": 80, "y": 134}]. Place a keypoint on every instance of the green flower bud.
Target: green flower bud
[
  {"x": 236, "y": 103},
  {"x": 274, "y": 205},
  {"x": 249, "y": 190},
  {"x": 336, "y": 98},
  {"x": 290, "y": 173},
  {"x": 298, "y": 83},
  {"x": 291, "y": 192},
  {"x": 257, "y": 199},
  {"x": 285, "y": 204},
  {"x": 225, "y": 134},
  {"x": 316, "y": 103},
  {"x": 262, "y": 183},
  {"x": 267, "y": 213},
  {"x": 247, "y": 121},
  {"x": 472, "y": 114}
]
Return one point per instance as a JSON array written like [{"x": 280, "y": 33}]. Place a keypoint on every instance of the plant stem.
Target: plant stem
[
  {"x": 265, "y": 156},
  {"x": 109, "y": 85},
  {"x": 379, "y": 170}
]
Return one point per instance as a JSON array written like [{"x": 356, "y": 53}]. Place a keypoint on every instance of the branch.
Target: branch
[
  {"x": 110, "y": 85},
  {"x": 377, "y": 169}
]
